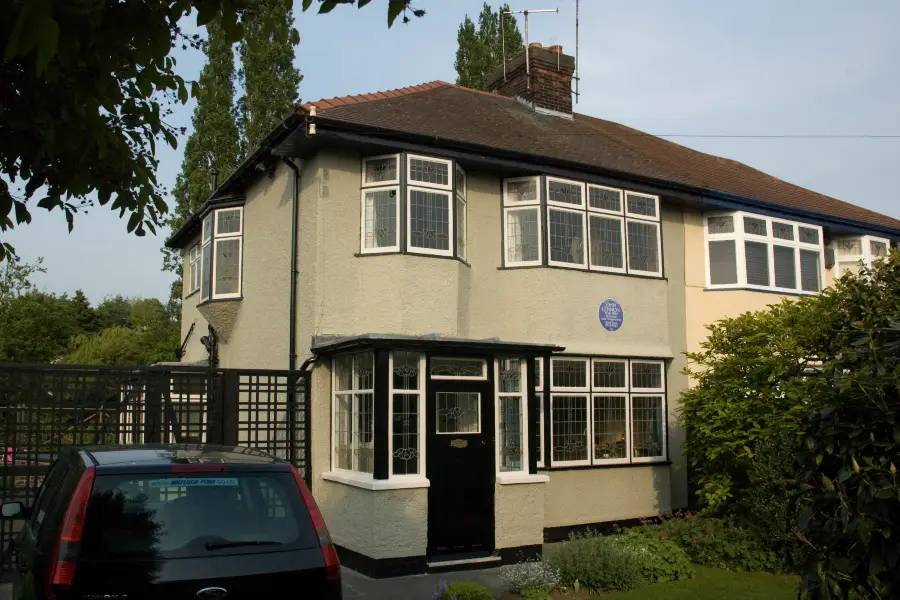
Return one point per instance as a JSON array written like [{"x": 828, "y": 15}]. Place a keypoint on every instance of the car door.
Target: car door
[{"x": 31, "y": 553}]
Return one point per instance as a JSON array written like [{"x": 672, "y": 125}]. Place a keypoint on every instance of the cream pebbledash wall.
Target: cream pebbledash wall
[{"x": 378, "y": 524}]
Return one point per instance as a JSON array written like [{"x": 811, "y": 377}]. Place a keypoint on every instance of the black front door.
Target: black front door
[{"x": 460, "y": 466}]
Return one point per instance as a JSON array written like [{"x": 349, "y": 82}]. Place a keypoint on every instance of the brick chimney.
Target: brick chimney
[{"x": 547, "y": 87}]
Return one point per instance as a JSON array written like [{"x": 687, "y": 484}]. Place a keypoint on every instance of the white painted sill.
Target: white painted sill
[
  {"x": 517, "y": 478},
  {"x": 366, "y": 482}
]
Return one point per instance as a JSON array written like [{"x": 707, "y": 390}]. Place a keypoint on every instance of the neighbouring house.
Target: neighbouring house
[{"x": 491, "y": 296}]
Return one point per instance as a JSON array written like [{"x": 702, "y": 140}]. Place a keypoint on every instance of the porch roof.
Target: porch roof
[{"x": 326, "y": 344}]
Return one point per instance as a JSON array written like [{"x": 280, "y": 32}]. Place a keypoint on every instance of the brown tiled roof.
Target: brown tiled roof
[{"x": 444, "y": 111}]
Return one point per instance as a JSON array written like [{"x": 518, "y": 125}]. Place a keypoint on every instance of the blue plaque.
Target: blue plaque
[{"x": 611, "y": 314}]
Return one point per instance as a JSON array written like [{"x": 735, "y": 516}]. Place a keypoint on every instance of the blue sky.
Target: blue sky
[{"x": 663, "y": 66}]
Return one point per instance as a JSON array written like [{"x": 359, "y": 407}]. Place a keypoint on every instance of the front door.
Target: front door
[{"x": 460, "y": 466}]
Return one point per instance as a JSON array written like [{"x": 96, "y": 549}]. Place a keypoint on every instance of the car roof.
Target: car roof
[{"x": 174, "y": 454}]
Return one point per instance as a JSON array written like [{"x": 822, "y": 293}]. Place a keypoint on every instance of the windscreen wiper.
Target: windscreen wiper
[{"x": 237, "y": 544}]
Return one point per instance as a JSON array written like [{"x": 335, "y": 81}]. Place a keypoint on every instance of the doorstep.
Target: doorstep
[{"x": 463, "y": 563}]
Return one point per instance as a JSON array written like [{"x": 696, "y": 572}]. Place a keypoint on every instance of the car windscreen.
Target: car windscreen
[{"x": 195, "y": 514}]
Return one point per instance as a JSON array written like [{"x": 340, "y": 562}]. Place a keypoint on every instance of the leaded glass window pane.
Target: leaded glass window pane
[
  {"x": 643, "y": 247},
  {"x": 522, "y": 190},
  {"x": 849, "y": 247},
  {"x": 364, "y": 371},
  {"x": 755, "y": 226},
  {"x": 343, "y": 372},
  {"x": 523, "y": 240},
  {"x": 467, "y": 368},
  {"x": 406, "y": 371},
  {"x": 722, "y": 262},
  {"x": 757, "y": 259},
  {"x": 363, "y": 434},
  {"x": 538, "y": 373},
  {"x": 353, "y": 419},
  {"x": 511, "y": 433},
  {"x": 605, "y": 199},
  {"x": 808, "y": 235},
  {"x": 380, "y": 170},
  {"x": 720, "y": 224},
  {"x": 570, "y": 428},
  {"x": 878, "y": 249},
  {"x": 610, "y": 427},
  {"x": 208, "y": 227},
  {"x": 405, "y": 442},
  {"x": 461, "y": 182},
  {"x": 228, "y": 221},
  {"x": 647, "y": 426},
  {"x": 566, "y": 236},
  {"x": 381, "y": 218},
  {"x": 782, "y": 231},
  {"x": 646, "y": 375},
  {"x": 510, "y": 375},
  {"x": 637, "y": 204},
  {"x": 343, "y": 432},
  {"x": 540, "y": 430},
  {"x": 607, "y": 248},
  {"x": 785, "y": 267},
  {"x": 569, "y": 373},
  {"x": 429, "y": 219},
  {"x": 565, "y": 192},
  {"x": 206, "y": 271},
  {"x": 429, "y": 171},
  {"x": 810, "y": 271},
  {"x": 609, "y": 374},
  {"x": 228, "y": 266},
  {"x": 458, "y": 412}
]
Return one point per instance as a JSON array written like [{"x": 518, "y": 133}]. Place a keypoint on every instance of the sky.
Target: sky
[{"x": 698, "y": 67}]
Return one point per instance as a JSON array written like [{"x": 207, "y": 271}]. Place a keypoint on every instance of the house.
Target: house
[{"x": 491, "y": 296}]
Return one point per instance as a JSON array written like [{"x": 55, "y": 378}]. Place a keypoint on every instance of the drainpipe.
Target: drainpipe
[{"x": 292, "y": 313}]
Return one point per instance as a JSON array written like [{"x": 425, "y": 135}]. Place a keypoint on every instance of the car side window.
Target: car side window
[{"x": 49, "y": 487}]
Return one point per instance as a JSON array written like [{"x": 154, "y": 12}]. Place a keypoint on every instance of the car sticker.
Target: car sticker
[{"x": 203, "y": 482}]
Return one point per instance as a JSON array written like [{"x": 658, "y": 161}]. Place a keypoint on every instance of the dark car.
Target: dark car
[{"x": 172, "y": 522}]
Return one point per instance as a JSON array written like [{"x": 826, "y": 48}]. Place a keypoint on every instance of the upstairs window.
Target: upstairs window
[
  {"x": 221, "y": 254},
  {"x": 746, "y": 250},
  {"x": 194, "y": 269},
  {"x": 588, "y": 226},
  {"x": 431, "y": 218},
  {"x": 852, "y": 253}
]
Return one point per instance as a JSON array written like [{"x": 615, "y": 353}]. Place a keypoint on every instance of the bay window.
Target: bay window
[
  {"x": 852, "y": 253},
  {"x": 353, "y": 409},
  {"x": 607, "y": 411},
  {"x": 220, "y": 254},
  {"x": 758, "y": 252},
  {"x": 588, "y": 226}
]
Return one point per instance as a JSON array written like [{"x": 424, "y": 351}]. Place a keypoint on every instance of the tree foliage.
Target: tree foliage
[
  {"x": 480, "y": 50},
  {"x": 269, "y": 78},
  {"x": 86, "y": 89}
]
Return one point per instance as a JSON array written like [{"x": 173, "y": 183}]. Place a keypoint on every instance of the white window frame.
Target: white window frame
[
  {"x": 645, "y": 221},
  {"x": 526, "y": 205},
  {"x": 740, "y": 238},
  {"x": 567, "y": 182},
  {"x": 628, "y": 391},
  {"x": 206, "y": 239},
  {"x": 481, "y": 377},
  {"x": 194, "y": 255},
  {"x": 654, "y": 219},
  {"x": 571, "y": 208},
  {"x": 539, "y": 390},
  {"x": 362, "y": 220},
  {"x": 220, "y": 237},
  {"x": 435, "y": 186},
  {"x": 420, "y": 392},
  {"x": 462, "y": 219},
  {"x": 865, "y": 258},
  {"x": 451, "y": 225},
  {"x": 604, "y": 211},
  {"x": 392, "y": 182},
  {"x": 603, "y": 214},
  {"x": 354, "y": 393},
  {"x": 522, "y": 395}
]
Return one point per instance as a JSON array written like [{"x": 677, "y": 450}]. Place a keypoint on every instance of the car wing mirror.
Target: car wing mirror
[{"x": 13, "y": 510}]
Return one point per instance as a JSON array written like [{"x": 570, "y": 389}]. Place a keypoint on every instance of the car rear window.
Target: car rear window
[{"x": 195, "y": 514}]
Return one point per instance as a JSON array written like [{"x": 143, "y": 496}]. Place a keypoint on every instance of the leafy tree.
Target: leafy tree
[
  {"x": 15, "y": 277},
  {"x": 269, "y": 77},
  {"x": 114, "y": 311},
  {"x": 85, "y": 317},
  {"x": 86, "y": 90},
  {"x": 35, "y": 328},
  {"x": 480, "y": 51},
  {"x": 215, "y": 133}
]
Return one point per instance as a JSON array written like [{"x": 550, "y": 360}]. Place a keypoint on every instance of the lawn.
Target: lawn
[{"x": 713, "y": 584}]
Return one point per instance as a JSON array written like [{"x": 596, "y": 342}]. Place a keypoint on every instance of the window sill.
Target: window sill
[
  {"x": 407, "y": 253},
  {"x": 517, "y": 478},
  {"x": 583, "y": 270},
  {"x": 760, "y": 290},
  {"x": 216, "y": 300},
  {"x": 366, "y": 482},
  {"x": 601, "y": 467},
  {"x": 194, "y": 293}
]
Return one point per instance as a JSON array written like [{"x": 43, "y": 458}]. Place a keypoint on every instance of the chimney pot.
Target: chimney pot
[
  {"x": 556, "y": 48},
  {"x": 535, "y": 45}
]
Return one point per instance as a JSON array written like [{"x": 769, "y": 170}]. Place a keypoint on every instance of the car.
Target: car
[{"x": 174, "y": 522}]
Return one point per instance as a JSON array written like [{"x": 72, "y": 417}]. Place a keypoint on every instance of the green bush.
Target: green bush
[
  {"x": 661, "y": 560},
  {"x": 594, "y": 563},
  {"x": 466, "y": 590},
  {"x": 535, "y": 594},
  {"x": 715, "y": 543}
]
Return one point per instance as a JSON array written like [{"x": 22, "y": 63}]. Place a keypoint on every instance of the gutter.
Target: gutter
[{"x": 292, "y": 311}]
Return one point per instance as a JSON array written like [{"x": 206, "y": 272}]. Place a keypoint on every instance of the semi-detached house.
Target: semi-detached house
[{"x": 491, "y": 296}]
